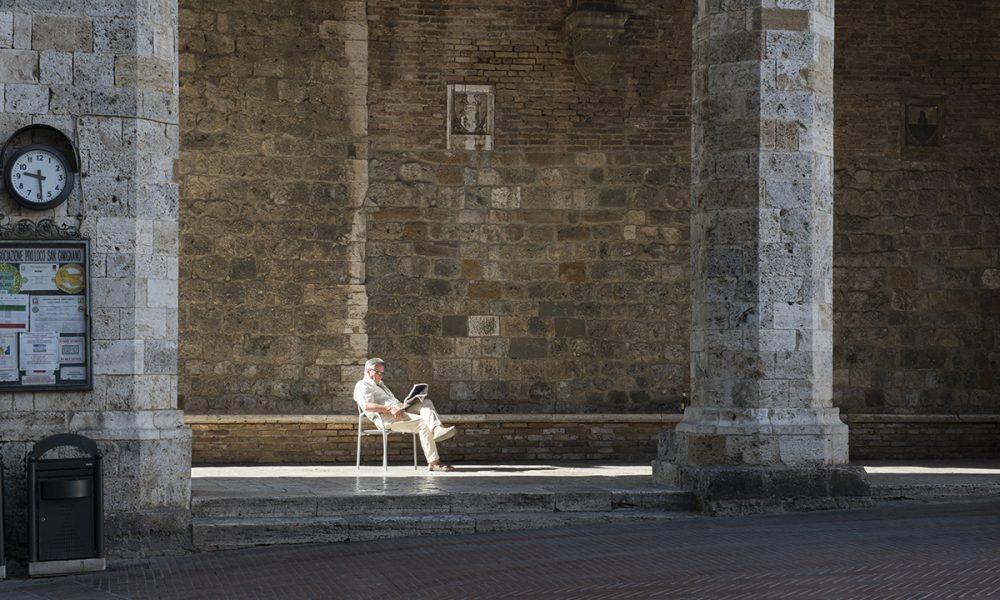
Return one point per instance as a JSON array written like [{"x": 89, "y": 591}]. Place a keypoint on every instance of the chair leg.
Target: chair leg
[
  {"x": 385, "y": 451},
  {"x": 358, "y": 465},
  {"x": 414, "y": 451}
]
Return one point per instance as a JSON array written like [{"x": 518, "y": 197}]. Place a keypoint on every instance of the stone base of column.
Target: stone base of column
[
  {"x": 757, "y": 437},
  {"x": 732, "y": 489},
  {"x": 724, "y": 490}
]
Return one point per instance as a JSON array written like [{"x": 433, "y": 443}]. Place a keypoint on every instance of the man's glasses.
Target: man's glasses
[{"x": 380, "y": 373}]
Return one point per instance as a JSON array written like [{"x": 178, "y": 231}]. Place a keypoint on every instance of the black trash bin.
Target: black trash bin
[{"x": 65, "y": 508}]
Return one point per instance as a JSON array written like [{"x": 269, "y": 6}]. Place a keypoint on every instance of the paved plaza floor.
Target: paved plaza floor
[
  {"x": 207, "y": 482},
  {"x": 915, "y": 549},
  {"x": 940, "y": 478}
]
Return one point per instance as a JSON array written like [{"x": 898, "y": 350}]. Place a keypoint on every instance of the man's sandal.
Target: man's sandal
[{"x": 440, "y": 467}]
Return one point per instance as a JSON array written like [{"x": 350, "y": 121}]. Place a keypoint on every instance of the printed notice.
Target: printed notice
[
  {"x": 40, "y": 377},
  {"x": 70, "y": 350},
  {"x": 6, "y": 376},
  {"x": 39, "y": 352},
  {"x": 8, "y": 352},
  {"x": 62, "y": 314},
  {"x": 73, "y": 373},
  {"x": 38, "y": 277},
  {"x": 13, "y": 312}
]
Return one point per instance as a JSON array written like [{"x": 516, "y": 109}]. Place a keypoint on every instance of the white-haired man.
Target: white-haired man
[{"x": 374, "y": 396}]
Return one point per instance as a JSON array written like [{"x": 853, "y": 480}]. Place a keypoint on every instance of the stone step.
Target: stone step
[
  {"x": 225, "y": 533},
  {"x": 418, "y": 504},
  {"x": 933, "y": 491},
  {"x": 222, "y": 522}
]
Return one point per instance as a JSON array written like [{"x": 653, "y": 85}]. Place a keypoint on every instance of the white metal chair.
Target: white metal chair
[{"x": 385, "y": 432}]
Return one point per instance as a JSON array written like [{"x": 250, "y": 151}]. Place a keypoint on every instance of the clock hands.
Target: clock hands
[
  {"x": 43, "y": 164},
  {"x": 40, "y": 179}
]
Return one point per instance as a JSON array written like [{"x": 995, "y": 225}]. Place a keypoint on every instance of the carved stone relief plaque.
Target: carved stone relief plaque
[
  {"x": 924, "y": 121},
  {"x": 470, "y": 117}
]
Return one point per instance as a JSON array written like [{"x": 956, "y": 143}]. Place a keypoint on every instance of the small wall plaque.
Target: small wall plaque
[
  {"x": 597, "y": 43},
  {"x": 470, "y": 117},
  {"x": 924, "y": 121}
]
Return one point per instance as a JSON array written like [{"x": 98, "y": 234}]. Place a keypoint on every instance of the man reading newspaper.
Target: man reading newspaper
[{"x": 415, "y": 414}]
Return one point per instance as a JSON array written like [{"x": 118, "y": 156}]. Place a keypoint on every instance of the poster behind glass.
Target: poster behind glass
[{"x": 45, "y": 315}]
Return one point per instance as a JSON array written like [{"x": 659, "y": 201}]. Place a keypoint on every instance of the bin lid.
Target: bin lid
[{"x": 64, "y": 439}]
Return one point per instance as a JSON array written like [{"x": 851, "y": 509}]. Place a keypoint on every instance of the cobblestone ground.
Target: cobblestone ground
[{"x": 902, "y": 551}]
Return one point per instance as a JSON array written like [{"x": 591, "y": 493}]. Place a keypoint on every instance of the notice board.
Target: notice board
[{"x": 45, "y": 315}]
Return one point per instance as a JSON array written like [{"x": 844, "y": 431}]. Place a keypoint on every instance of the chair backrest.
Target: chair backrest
[{"x": 374, "y": 418}]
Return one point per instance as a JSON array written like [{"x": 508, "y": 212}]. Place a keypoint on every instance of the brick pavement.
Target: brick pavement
[{"x": 905, "y": 551}]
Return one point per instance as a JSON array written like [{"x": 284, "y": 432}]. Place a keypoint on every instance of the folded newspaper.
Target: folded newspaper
[{"x": 418, "y": 393}]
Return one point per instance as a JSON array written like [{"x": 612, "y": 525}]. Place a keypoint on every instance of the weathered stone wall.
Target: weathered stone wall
[
  {"x": 551, "y": 273},
  {"x": 273, "y": 165},
  {"x": 917, "y": 246}
]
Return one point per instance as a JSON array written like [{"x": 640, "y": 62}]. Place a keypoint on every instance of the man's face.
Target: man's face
[{"x": 377, "y": 373}]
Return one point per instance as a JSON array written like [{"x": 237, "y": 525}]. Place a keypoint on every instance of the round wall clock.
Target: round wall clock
[{"x": 38, "y": 176}]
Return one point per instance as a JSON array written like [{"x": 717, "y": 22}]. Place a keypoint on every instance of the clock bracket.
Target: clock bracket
[{"x": 40, "y": 132}]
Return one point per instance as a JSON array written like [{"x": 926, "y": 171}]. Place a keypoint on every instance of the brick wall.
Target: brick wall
[
  {"x": 313, "y": 439},
  {"x": 917, "y": 246},
  {"x": 316, "y": 439},
  {"x": 550, "y": 274},
  {"x": 273, "y": 169},
  {"x": 924, "y": 437}
]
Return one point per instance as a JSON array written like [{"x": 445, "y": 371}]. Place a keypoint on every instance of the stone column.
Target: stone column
[
  {"x": 761, "y": 430},
  {"x": 105, "y": 72}
]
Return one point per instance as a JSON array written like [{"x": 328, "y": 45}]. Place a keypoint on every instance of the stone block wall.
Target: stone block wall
[
  {"x": 917, "y": 245},
  {"x": 273, "y": 165},
  {"x": 549, "y": 274}
]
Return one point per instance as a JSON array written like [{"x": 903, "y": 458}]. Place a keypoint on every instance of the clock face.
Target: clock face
[{"x": 38, "y": 176}]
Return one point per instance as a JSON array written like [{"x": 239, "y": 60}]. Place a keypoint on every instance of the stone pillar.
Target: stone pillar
[
  {"x": 105, "y": 72},
  {"x": 761, "y": 431}
]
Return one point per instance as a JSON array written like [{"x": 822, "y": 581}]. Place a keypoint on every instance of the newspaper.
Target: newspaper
[{"x": 417, "y": 393}]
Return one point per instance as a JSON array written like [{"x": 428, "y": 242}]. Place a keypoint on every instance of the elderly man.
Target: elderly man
[{"x": 373, "y": 396}]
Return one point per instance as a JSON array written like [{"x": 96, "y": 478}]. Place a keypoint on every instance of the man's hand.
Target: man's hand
[{"x": 395, "y": 412}]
